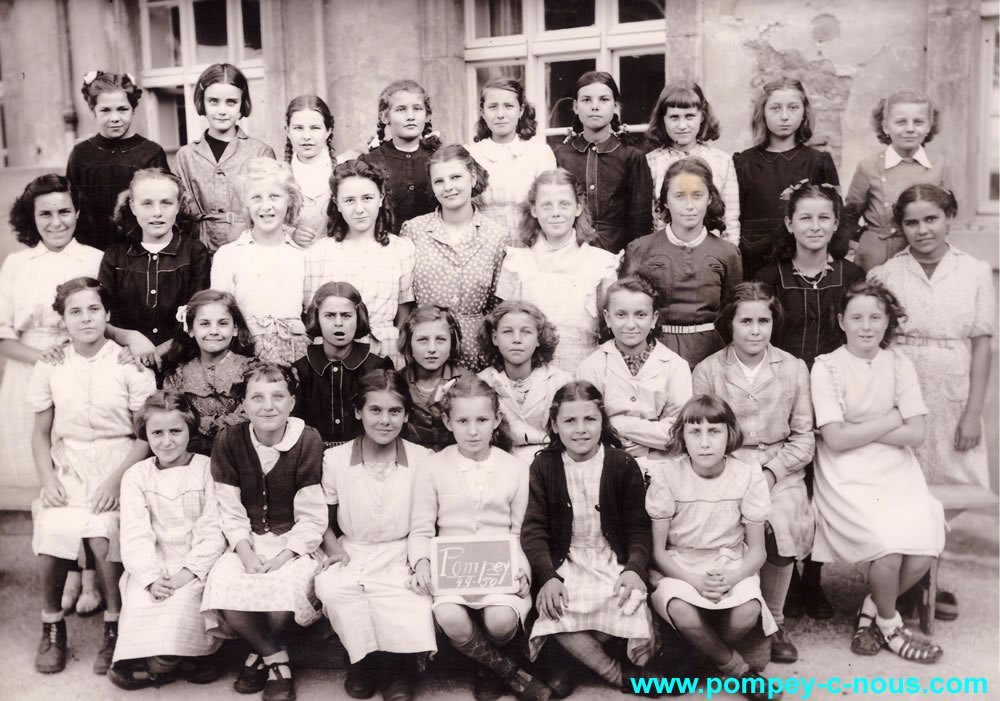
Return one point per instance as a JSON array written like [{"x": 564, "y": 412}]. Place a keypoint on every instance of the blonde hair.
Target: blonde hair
[{"x": 262, "y": 168}]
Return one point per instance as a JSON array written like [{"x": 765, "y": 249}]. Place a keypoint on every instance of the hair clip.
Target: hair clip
[
  {"x": 90, "y": 77},
  {"x": 795, "y": 187},
  {"x": 130, "y": 77},
  {"x": 431, "y": 135},
  {"x": 182, "y": 317}
]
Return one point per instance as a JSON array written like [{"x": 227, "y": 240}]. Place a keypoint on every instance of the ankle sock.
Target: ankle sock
[
  {"x": 888, "y": 625},
  {"x": 585, "y": 647},
  {"x": 279, "y": 658},
  {"x": 52, "y": 617},
  {"x": 868, "y": 607},
  {"x": 736, "y": 667}
]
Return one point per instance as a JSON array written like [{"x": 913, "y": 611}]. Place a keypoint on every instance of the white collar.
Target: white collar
[
  {"x": 685, "y": 244},
  {"x": 543, "y": 244},
  {"x": 293, "y": 431},
  {"x": 893, "y": 159},
  {"x": 247, "y": 239},
  {"x": 73, "y": 249}
]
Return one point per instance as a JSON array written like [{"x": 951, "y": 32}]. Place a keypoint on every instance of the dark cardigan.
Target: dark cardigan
[
  {"x": 269, "y": 499},
  {"x": 548, "y": 521}
]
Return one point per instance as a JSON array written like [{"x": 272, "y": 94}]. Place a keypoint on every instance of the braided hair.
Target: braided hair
[
  {"x": 430, "y": 141},
  {"x": 316, "y": 104}
]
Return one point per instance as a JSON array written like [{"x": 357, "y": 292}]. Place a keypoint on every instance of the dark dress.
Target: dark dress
[
  {"x": 147, "y": 288},
  {"x": 99, "y": 169},
  {"x": 762, "y": 176},
  {"x": 408, "y": 183},
  {"x": 810, "y": 326},
  {"x": 618, "y": 188}
]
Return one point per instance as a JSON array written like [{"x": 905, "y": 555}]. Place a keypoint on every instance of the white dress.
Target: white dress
[
  {"x": 367, "y": 600},
  {"x": 170, "y": 522},
  {"x": 870, "y": 501},
  {"x": 513, "y": 168},
  {"x": 707, "y": 518},
  {"x": 28, "y": 281},
  {"x": 382, "y": 274},
  {"x": 590, "y": 571},
  {"x": 563, "y": 283},
  {"x": 94, "y": 399}
]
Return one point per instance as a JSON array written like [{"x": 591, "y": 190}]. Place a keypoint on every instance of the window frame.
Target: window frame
[
  {"x": 986, "y": 157},
  {"x": 605, "y": 41}
]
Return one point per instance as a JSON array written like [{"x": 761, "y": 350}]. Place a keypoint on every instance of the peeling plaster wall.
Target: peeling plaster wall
[{"x": 848, "y": 53}]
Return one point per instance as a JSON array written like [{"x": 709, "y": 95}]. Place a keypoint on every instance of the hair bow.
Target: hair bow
[
  {"x": 182, "y": 317},
  {"x": 90, "y": 77}
]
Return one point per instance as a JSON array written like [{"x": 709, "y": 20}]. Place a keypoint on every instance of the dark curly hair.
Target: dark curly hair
[
  {"x": 683, "y": 94},
  {"x": 531, "y": 229},
  {"x": 110, "y": 82},
  {"x": 337, "y": 227},
  {"x": 227, "y": 74},
  {"x": 579, "y": 391},
  {"x": 715, "y": 215},
  {"x": 315, "y": 104},
  {"x": 785, "y": 245},
  {"x": 527, "y": 124},
  {"x": 705, "y": 408},
  {"x": 124, "y": 219},
  {"x": 457, "y": 152},
  {"x": 761, "y": 136},
  {"x": 166, "y": 400},
  {"x": 749, "y": 292},
  {"x": 22, "y": 212},
  {"x": 909, "y": 97},
  {"x": 431, "y": 143},
  {"x": 604, "y": 78},
  {"x": 184, "y": 349},
  {"x": 893, "y": 309},
  {"x": 548, "y": 335},
  {"x": 936, "y": 195}
]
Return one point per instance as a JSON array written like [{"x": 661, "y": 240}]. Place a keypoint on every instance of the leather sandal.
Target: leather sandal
[
  {"x": 867, "y": 640},
  {"x": 908, "y": 645}
]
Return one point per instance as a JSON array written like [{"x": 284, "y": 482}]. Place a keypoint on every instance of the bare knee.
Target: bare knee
[
  {"x": 500, "y": 623},
  {"x": 280, "y": 621},
  {"x": 683, "y": 615},
  {"x": 745, "y": 615},
  {"x": 454, "y": 621},
  {"x": 100, "y": 547}
]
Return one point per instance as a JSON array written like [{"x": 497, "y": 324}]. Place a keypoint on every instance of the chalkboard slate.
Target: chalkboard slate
[{"x": 474, "y": 565}]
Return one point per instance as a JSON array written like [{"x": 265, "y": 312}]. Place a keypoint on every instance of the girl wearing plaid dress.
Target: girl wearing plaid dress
[
  {"x": 474, "y": 488},
  {"x": 587, "y": 537},
  {"x": 267, "y": 481},
  {"x": 768, "y": 390},
  {"x": 361, "y": 249},
  {"x": 170, "y": 538}
]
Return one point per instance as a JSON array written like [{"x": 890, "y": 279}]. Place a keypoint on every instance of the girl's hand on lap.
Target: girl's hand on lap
[
  {"x": 710, "y": 585},
  {"x": 161, "y": 589},
  {"x": 251, "y": 561},
  {"x": 53, "y": 493},
  {"x": 625, "y": 584},
  {"x": 552, "y": 599},
  {"x": 968, "y": 433},
  {"x": 421, "y": 579},
  {"x": 185, "y": 576},
  {"x": 54, "y": 354},
  {"x": 106, "y": 495},
  {"x": 342, "y": 557},
  {"x": 277, "y": 562},
  {"x": 524, "y": 584}
]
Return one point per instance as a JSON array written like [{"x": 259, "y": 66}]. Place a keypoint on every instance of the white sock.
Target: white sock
[
  {"x": 52, "y": 617},
  {"x": 279, "y": 658},
  {"x": 868, "y": 607},
  {"x": 888, "y": 625},
  {"x": 111, "y": 617}
]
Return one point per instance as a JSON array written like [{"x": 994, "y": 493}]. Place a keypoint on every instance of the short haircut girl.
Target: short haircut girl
[
  {"x": 638, "y": 283},
  {"x": 457, "y": 152},
  {"x": 938, "y": 196},
  {"x": 357, "y": 168},
  {"x": 893, "y": 309},
  {"x": 124, "y": 219},
  {"x": 166, "y": 400},
  {"x": 748, "y": 292},
  {"x": 527, "y": 125},
  {"x": 705, "y": 408},
  {"x": 315, "y": 104},
  {"x": 227, "y": 74},
  {"x": 715, "y": 216},
  {"x": 684, "y": 94},
  {"x": 548, "y": 337},
  {"x": 530, "y": 228},
  {"x": 22, "y": 213},
  {"x": 580, "y": 391},
  {"x": 99, "y": 81},
  {"x": 760, "y": 134},
  {"x": 910, "y": 97},
  {"x": 263, "y": 167},
  {"x": 269, "y": 372},
  {"x": 337, "y": 289},
  {"x": 78, "y": 284},
  {"x": 423, "y": 314}
]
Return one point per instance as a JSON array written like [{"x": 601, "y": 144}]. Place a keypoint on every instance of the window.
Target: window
[
  {"x": 549, "y": 43},
  {"x": 988, "y": 168},
  {"x": 3, "y": 126},
  {"x": 180, "y": 38}
]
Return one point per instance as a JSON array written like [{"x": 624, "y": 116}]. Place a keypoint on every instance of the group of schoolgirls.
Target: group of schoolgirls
[{"x": 670, "y": 459}]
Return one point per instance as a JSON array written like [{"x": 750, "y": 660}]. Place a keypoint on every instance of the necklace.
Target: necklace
[{"x": 521, "y": 388}]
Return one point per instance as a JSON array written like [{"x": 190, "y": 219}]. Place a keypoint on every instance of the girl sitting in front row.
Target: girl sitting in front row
[
  {"x": 708, "y": 511},
  {"x": 474, "y": 488},
  {"x": 267, "y": 475},
  {"x": 368, "y": 485},
  {"x": 430, "y": 342},
  {"x": 644, "y": 383},
  {"x": 587, "y": 537},
  {"x": 872, "y": 502},
  {"x": 768, "y": 390},
  {"x": 329, "y": 373},
  {"x": 207, "y": 360},
  {"x": 83, "y": 442},
  {"x": 170, "y": 538},
  {"x": 264, "y": 269},
  {"x": 522, "y": 342}
]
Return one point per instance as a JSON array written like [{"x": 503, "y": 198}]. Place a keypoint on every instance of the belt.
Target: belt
[
  {"x": 927, "y": 341},
  {"x": 680, "y": 328},
  {"x": 219, "y": 217}
]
